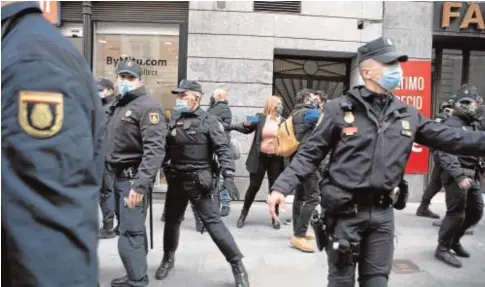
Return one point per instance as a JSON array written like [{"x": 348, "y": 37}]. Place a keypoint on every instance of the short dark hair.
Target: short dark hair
[
  {"x": 323, "y": 96},
  {"x": 302, "y": 95}
]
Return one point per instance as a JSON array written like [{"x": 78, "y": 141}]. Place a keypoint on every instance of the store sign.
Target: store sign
[
  {"x": 460, "y": 16},
  {"x": 149, "y": 66},
  {"x": 415, "y": 90},
  {"x": 51, "y": 11}
]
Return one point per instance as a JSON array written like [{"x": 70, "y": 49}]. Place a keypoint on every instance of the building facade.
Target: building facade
[{"x": 255, "y": 49}]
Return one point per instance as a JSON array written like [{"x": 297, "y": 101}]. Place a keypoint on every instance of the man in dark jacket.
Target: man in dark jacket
[
  {"x": 108, "y": 199},
  {"x": 460, "y": 178},
  {"x": 434, "y": 185},
  {"x": 219, "y": 107},
  {"x": 305, "y": 116}
]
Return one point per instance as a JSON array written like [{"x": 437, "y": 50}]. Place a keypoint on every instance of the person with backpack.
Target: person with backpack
[
  {"x": 305, "y": 116},
  {"x": 262, "y": 158}
]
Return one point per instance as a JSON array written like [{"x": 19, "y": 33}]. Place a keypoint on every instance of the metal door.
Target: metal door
[{"x": 291, "y": 74}]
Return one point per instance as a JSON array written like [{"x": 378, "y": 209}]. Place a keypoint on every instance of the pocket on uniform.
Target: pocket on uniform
[
  {"x": 335, "y": 199},
  {"x": 205, "y": 180}
]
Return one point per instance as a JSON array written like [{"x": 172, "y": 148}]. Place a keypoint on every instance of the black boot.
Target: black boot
[
  {"x": 168, "y": 263},
  {"x": 107, "y": 232},
  {"x": 119, "y": 282},
  {"x": 240, "y": 275},
  {"x": 242, "y": 218},
  {"x": 443, "y": 254},
  {"x": 460, "y": 251},
  {"x": 424, "y": 211}
]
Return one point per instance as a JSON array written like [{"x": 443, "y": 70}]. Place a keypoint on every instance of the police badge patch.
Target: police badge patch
[
  {"x": 40, "y": 114},
  {"x": 154, "y": 118}
]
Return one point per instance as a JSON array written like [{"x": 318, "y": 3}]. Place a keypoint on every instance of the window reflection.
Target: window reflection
[{"x": 157, "y": 55}]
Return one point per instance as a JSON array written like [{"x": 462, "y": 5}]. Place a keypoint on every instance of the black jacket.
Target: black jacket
[
  {"x": 136, "y": 137},
  {"x": 107, "y": 103},
  {"x": 252, "y": 163},
  {"x": 453, "y": 165},
  {"x": 368, "y": 153},
  {"x": 223, "y": 113},
  {"x": 192, "y": 140}
]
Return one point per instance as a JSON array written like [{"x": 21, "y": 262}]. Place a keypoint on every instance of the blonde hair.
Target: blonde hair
[
  {"x": 220, "y": 95},
  {"x": 270, "y": 105}
]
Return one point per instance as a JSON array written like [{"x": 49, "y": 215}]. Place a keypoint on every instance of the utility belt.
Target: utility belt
[
  {"x": 123, "y": 172},
  {"x": 339, "y": 201},
  {"x": 202, "y": 178}
]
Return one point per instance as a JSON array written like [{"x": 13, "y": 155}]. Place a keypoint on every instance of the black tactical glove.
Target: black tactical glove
[{"x": 231, "y": 187}]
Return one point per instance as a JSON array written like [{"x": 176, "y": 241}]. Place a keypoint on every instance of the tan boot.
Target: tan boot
[
  {"x": 301, "y": 244},
  {"x": 310, "y": 236}
]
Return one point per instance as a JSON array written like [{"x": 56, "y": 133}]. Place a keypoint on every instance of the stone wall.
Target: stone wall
[{"x": 232, "y": 47}]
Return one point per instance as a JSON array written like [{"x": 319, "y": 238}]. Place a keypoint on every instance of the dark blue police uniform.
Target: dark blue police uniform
[
  {"x": 370, "y": 136},
  {"x": 135, "y": 149},
  {"x": 52, "y": 155}
]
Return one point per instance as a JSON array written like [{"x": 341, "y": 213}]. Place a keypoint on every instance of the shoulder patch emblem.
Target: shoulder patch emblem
[
  {"x": 128, "y": 113},
  {"x": 40, "y": 114},
  {"x": 154, "y": 118}
]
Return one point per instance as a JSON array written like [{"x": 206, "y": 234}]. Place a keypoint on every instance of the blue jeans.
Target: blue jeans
[{"x": 225, "y": 198}]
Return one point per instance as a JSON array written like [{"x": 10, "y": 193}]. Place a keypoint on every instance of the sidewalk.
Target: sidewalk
[{"x": 271, "y": 262}]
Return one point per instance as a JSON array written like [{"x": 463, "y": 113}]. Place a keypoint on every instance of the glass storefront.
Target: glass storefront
[{"x": 157, "y": 54}]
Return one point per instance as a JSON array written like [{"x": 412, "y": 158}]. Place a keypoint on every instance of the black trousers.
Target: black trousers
[
  {"x": 463, "y": 210},
  {"x": 109, "y": 199},
  {"x": 434, "y": 186},
  {"x": 373, "y": 228},
  {"x": 307, "y": 197},
  {"x": 271, "y": 164},
  {"x": 180, "y": 191}
]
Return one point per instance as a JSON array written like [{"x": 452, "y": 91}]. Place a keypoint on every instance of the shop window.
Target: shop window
[
  {"x": 157, "y": 55},
  {"x": 477, "y": 70}
]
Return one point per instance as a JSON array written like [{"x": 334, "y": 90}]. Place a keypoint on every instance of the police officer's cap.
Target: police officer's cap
[
  {"x": 467, "y": 93},
  {"x": 103, "y": 84},
  {"x": 128, "y": 67},
  {"x": 381, "y": 50},
  {"x": 186, "y": 85}
]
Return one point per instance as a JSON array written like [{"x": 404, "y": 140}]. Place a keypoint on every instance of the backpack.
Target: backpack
[{"x": 286, "y": 143}]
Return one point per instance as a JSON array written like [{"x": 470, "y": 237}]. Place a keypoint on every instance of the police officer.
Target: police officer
[
  {"x": 108, "y": 199},
  {"x": 461, "y": 179},
  {"x": 305, "y": 116},
  {"x": 194, "y": 135},
  {"x": 370, "y": 134},
  {"x": 434, "y": 185},
  {"x": 52, "y": 155},
  {"x": 135, "y": 151}
]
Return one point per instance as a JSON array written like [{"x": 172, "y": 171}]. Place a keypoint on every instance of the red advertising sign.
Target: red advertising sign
[{"x": 415, "y": 90}]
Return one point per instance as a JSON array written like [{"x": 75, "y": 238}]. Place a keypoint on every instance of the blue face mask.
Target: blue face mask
[
  {"x": 125, "y": 86},
  {"x": 391, "y": 77},
  {"x": 181, "y": 106}
]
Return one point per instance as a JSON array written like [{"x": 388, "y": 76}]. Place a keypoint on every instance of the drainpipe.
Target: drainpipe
[{"x": 88, "y": 32}]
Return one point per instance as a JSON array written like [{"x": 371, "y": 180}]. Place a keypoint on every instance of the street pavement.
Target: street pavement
[{"x": 271, "y": 262}]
